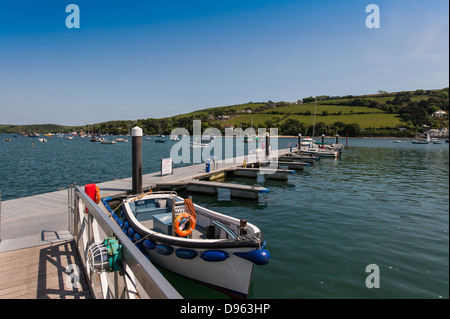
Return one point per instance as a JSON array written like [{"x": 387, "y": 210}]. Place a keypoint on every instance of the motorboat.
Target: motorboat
[
  {"x": 419, "y": 141},
  {"x": 206, "y": 246},
  {"x": 422, "y": 141},
  {"x": 307, "y": 141},
  {"x": 208, "y": 138},
  {"x": 42, "y": 140},
  {"x": 174, "y": 138},
  {"x": 121, "y": 140},
  {"x": 398, "y": 141},
  {"x": 105, "y": 141},
  {"x": 251, "y": 138},
  {"x": 197, "y": 145},
  {"x": 320, "y": 152},
  {"x": 435, "y": 140}
]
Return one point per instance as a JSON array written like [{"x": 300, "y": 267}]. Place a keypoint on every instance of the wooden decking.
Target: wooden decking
[{"x": 40, "y": 273}]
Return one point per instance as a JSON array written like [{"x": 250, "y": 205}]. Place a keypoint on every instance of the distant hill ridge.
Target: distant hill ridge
[{"x": 382, "y": 114}]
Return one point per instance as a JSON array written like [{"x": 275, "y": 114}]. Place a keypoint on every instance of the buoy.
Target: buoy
[
  {"x": 214, "y": 255},
  {"x": 137, "y": 237},
  {"x": 186, "y": 253},
  {"x": 164, "y": 249},
  {"x": 149, "y": 244},
  {"x": 257, "y": 256}
]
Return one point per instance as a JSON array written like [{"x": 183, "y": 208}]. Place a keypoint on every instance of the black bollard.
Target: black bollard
[
  {"x": 136, "y": 134},
  {"x": 267, "y": 144},
  {"x": 323, "y": 138},
  {"x": 337, "y": 139}
]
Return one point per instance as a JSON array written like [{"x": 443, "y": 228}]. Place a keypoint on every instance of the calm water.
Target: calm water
[{"x": 382, "y": 203}]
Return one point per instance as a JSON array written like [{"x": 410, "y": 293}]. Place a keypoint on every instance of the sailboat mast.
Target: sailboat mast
[{"x": 314, "y": 122}]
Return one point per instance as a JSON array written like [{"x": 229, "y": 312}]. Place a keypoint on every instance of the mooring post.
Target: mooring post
[
  {"x": 299, "y": 141},
  {"x": 136, "y": 134},
  {"x": 323, "y": 138},
  {"x": 267, "y": 144},
  {"x": 337, "y": 138}
]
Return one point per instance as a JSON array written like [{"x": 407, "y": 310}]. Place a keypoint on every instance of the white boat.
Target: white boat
[
  {"x": 174, "y": 138},
  {"x": 320, "y": 149},
  {"x": 219, "y": 252},
  {"x": 70, "y": 137},
  {"x": 251, "y": 138},
  {"x": 105, "y": 141},
  {"x": 42, "y": 140},
  {"x": 208, "y": 138},
  {"x": 435, "y": 140},
  {"x": 419, "y": 141},
  {"x": 321, "y": 152},
  {"x": 422, "y": 141},
  {"x": 197, "y": 145},
  {"x": 307, "y": 141},
  {"x": 121, "y": 140},
  {"x": 398, "y": 141}
]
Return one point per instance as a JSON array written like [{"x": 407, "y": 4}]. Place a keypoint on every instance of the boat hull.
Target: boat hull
[
  {"x": 224, "y": 263},
  {"x": 231, "y": 276}
]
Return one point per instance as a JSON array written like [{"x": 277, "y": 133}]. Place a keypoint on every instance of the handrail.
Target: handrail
[
  {"x": 151, "y": 280},
  {"x": 0, "y": 216}
]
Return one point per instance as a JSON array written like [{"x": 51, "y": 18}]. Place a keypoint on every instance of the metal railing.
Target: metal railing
[
  {"x": 89, "y": 224},
  {"x": 0, "y": 216}
]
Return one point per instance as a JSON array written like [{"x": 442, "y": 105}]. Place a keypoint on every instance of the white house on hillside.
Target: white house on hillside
[{"x": 439, "y": 113}]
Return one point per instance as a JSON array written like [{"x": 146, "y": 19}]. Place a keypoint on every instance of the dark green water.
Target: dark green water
[{"x": 382, "y": 203}]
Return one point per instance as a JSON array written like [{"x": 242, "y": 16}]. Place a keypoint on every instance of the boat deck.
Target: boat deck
[{"x": 198, "y": 233}]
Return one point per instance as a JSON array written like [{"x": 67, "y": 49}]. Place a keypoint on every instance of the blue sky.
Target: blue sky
[{"x": 138, "y": 59}]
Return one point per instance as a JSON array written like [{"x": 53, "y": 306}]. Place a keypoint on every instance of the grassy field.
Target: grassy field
[
  {"x": 376, "y": 120},
  {"x": 320, "y": 108}
]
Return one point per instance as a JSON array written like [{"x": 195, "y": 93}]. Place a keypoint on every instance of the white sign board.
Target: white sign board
[{"x": 166, "y": 166}]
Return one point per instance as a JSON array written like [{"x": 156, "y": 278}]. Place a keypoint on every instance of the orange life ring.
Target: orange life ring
[{"x": 192, "y": 221}]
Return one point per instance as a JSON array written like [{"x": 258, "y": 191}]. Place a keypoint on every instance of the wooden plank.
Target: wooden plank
[
  {"x": 40, "y": 272},
  {"x": 265, "y": 170},
  {"x": 257, "y": 189}
]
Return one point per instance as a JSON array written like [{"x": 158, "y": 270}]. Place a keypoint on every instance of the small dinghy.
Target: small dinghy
[{"x": 208, "y": 247}]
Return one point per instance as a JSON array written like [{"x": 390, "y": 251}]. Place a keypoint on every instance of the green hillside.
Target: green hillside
[{"x": 381, "y": 114}]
